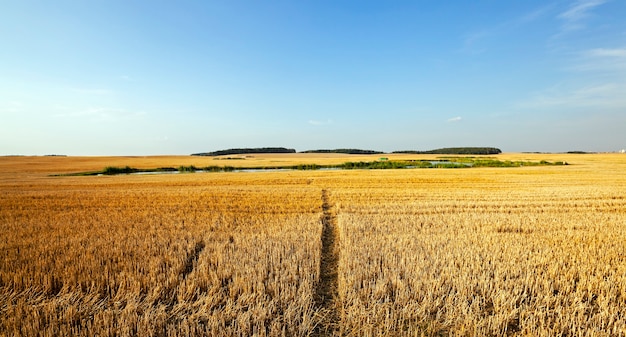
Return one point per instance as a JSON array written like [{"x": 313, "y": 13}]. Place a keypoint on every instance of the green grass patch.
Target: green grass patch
[
  {"x": 111, "y": 170},
  {"x": 440, "y": 162},
  {"x": 187, "y": 169}
]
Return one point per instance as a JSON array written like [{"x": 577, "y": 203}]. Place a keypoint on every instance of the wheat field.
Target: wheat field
[{"x": 528, "y": 251}]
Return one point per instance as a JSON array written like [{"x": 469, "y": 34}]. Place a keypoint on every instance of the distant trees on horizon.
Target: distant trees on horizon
[
  {"x": 344, "y": 151},
  {"x": 457, "y": 150},
  {"x": 447, "y": 150},
  {"x": 247, "y": 151}
]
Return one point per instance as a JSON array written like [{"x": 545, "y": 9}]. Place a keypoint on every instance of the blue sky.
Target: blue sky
[{"x": 179, "y": 77}]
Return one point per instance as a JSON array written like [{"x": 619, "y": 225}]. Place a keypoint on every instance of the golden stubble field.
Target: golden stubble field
[{"x": 529, "y": 251}]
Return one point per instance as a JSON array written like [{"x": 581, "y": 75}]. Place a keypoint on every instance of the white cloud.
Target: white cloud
[
  {"x": 103, "y": 114},
  {"x": 454, "y": 119},
  {"x": 476, "y": 42},
  {"x": 472, "y": 42},
  {"x": 610, "y": 62},
  {"x": 535, "y": 14},
  {"x": 91, "y": 91},
  {"x": 598, "y": 80},
  {"x": 573, "y": 17},
  {"x": 317, "y": 122},
  {"x": 603, "y": 52},
  {"x": 11, "y": 107},
  {"x": 580, "y": 9},
  {"x": 595, "y": 97}
]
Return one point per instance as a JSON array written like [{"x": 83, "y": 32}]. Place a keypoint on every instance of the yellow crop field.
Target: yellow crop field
[{"x": 522, "y": 251}]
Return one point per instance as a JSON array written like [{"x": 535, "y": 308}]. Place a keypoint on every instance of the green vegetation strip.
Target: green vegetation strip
[{"x": 443, "y": 162}]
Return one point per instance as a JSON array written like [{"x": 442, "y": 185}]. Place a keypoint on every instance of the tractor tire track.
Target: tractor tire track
[
  {"x": 169, "y": 296},
  {"x": 326, "y": 294},
  {"x": 192, "y": 259}
]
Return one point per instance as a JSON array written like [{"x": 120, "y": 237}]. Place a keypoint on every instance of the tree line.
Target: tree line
[{"x": 447, "y": 150}]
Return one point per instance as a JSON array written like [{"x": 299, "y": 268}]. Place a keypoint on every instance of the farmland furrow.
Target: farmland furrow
[{"x": 326, "y": 295}]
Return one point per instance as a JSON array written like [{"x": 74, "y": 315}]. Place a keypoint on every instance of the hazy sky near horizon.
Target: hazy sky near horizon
[{"x": 112, "y": 77}]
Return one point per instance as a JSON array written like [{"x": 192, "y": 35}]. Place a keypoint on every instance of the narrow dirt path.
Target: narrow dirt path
[{"x": 326, "y": 295}]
